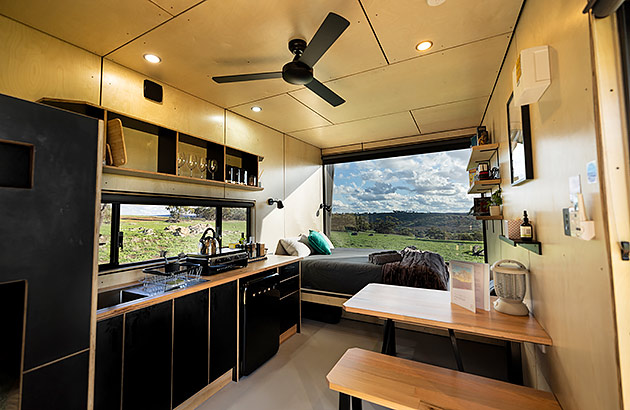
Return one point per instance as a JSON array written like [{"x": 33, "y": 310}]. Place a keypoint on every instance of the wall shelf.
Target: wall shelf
[
  {"x": 484, "y": 186},
  {"x": 481, "y": 153},
  {"x": 108, "y": 169},
  {"x": 532, "y": 246},
  {"x": 489, "y": 217}
]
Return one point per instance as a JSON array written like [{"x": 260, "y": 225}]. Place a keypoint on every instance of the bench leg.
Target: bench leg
[
  {"x": 389, "y": 338},
  {"x": 458, "y": 357},
  {"x": 356, "y": 403},
  {"x": 344, "y": 401},
  {"x": 514, "y": 364}
]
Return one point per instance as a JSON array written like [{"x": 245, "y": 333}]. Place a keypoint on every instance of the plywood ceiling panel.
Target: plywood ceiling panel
[
  {"x": 372, "y": 129},
  {"x": 174, "y": 7},
  {"x": 97, "y": 26},
  {"x": 283, "y": 113},
  {"x": 402, "y": 24},
  {"x": 451, "y": 116},
  {"x": 457, "y": 74},
  {"x": 239, "y": 36}
]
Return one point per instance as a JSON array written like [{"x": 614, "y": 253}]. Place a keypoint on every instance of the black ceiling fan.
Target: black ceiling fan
[{"x": 300, "y": 70}]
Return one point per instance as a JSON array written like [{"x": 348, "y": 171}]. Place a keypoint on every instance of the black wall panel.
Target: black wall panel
[
  {"x": 109, "y": 354},
  {"x": 61, "y": 385},
  {"x": 190, "y": 346},
  {"x": 47, "y": 231}
]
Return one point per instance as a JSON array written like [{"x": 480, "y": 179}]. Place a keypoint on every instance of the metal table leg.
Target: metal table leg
[
  {"x": 389, "y": 338},
  {"x": 344, "y": 401},
  {"x": 458, "y": 357},
  {"x": 356, "y": 403},
  {"x": 514, "y": 364}
]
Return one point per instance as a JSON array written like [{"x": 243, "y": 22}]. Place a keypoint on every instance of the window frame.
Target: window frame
[{"x": 117, "y": 199}]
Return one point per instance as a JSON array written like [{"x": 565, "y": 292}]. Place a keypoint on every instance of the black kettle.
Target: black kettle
[{"x": 209, "y": 245}]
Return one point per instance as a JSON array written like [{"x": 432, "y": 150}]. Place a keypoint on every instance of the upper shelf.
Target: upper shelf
[
  {"x": 481, "y": 153},
  {"x": 480, "y": 187}
]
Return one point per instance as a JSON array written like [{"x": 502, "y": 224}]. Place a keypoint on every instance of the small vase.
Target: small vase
[{"x": 495, "y": 210}]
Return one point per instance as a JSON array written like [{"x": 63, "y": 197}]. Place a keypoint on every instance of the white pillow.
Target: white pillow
[
  {"x": 294, "y": 247},
  {"x": 304, "y": 239},
  {"x": 330, "y": 244}
]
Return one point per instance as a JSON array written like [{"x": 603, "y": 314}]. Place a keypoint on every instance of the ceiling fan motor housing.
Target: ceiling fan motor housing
[{"x": 297, "y": 73}]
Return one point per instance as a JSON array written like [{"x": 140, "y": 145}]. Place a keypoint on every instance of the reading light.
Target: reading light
[
  {"x": 326, "y": 208},
  {"x": 152, "y": 58},
  {"x": 256, "y": 108},
  {"x": 279, "y": 203},
  {"x": 424, "y": 46}
]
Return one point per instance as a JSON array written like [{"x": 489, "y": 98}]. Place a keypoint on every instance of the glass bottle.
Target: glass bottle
[{"x": 526, "y": 229}]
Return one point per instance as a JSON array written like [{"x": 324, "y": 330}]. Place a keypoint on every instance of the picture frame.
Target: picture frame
[{"x": 519, "y": 142}]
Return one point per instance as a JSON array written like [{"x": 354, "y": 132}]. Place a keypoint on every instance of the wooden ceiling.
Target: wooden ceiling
[{"x": 391, "y": 90}]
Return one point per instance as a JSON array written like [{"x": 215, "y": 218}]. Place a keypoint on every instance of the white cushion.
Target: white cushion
[
  {"x": 294, "y": 247},
  {"x": 330, "y": 244},
  {"x": 304, "y": 239}
]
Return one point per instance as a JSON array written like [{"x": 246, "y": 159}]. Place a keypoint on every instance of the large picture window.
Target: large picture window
[{"x": 138, "y": 229}]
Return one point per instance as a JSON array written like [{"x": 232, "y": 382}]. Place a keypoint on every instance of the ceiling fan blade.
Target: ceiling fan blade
[
  {"x": 325, "y": 93},
  {"x": 326, "y": 35},
  {"x": 246, "y": 77}
]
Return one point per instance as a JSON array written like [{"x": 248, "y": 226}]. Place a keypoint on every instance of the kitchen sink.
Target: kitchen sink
[{"x": 116, "y": 297}]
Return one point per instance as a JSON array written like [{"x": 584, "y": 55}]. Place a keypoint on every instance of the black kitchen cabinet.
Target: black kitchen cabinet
[
  {"x": 190, "y": 345},
  {"x": 222, "y": 329},
  {"x": 109, "y": 354},
  {"x": 147, "y": 362},
  {"x": 289, "y": 286}
]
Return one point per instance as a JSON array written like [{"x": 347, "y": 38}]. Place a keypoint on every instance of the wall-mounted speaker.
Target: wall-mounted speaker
[{"x": 153, "y": 91}]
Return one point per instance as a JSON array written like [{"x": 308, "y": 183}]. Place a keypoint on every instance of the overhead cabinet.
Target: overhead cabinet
[{"x": 157, "y": 152}]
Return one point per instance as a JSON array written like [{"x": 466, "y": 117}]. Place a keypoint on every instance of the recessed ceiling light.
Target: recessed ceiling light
[
  {"x": 256, "y": 108},
  {"x": 424, "y": 46},
  {"x": 152, "y": 58},
  {"x": 434, "y": 3}
]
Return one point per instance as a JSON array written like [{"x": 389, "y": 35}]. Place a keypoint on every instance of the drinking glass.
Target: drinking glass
[
  {"x": 192, "y": 163},
  {"x": 203, "y": 165},
  {"x": 181, "y": 160},
  {"x": 213, "y": 165}
]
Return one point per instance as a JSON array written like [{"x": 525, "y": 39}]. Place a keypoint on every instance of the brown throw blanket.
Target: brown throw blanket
[{"x": 417, "y": 269}]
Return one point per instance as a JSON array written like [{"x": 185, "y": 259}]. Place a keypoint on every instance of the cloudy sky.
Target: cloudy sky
[{"x": 435, "y": 182}]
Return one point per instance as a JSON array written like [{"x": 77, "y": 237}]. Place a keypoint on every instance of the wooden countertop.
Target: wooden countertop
[
  {"x": 273, "y": 261},
  {"x": 433, "y": 308}
]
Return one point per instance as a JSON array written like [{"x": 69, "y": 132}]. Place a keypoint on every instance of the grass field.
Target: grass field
[
  {"x": 145, "y": 236},
  {"x": 450, "y": 250}
]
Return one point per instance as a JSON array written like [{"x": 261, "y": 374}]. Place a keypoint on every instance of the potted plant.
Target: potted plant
[{"x": 495, "y": 203}]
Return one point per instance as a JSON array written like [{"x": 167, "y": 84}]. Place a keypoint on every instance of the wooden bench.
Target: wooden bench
[{"x": 404, "y": 384}]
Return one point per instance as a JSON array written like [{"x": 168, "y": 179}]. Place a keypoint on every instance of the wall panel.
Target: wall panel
[
  {"x": 36, "y": 65},
  {"x": 570, "y": 282}
]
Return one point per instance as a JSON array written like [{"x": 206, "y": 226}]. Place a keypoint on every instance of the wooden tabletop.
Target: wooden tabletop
[
  {"x": 272, "y": 261},
  {"x": 433, "y": 308},
  {"x": 404, "y": 384}
]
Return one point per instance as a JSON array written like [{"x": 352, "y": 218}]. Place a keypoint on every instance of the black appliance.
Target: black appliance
[
  {"x": 260, "y": 323},
  {"x": 224, "y": 261}
]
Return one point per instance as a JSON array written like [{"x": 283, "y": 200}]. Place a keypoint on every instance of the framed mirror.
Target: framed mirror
[{"x": 519, "y": 137}]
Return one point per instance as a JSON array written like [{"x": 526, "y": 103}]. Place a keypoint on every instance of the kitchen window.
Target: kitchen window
[{"x": 137, "y": 229}]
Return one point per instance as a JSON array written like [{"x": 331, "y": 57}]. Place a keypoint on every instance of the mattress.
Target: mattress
[{"x": 346, "y": 271}]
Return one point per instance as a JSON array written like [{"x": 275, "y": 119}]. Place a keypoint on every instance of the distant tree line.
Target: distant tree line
[
  {"x": 206, "y": 213},
  {"x": 453, "y": 226}
]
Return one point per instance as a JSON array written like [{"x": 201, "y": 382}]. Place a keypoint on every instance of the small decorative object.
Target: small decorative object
[
  {"x": 519, "y": 137},
  {"x": 526, "y": 229},
  {"x": 471, "y": 177},
  {"x": 495, "y": 173},
  {"x": 192, "y": 163},
  {"x": 495, "y": 203},
  {"x": 512, "y": 229},
  {"x": 510, "y": 286},
  {"x": 483, "y": 171},
  {"x": 482, "y": 136},
  {"x": 181, "y": 160},
  {"x": 203, "y": 166},
  {"x": 481, "y": 206},
  {"x": 213, "y": 165}
]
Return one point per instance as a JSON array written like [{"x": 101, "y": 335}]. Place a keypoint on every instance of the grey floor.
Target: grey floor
[{"x": 296, "y": 377}]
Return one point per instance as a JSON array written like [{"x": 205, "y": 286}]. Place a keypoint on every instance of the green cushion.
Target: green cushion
[{"x": 318, "y": 243}]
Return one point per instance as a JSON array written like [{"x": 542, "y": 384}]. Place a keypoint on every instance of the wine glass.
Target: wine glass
[
  {"x": 203, "y": 165},
  {"x": 213, "y": 165},
  {"x": 192, "y": 163},
  {"x": 181, "y": 160}
]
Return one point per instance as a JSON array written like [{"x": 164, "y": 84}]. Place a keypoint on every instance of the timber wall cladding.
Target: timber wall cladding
[{"x": 570, "y": 283}]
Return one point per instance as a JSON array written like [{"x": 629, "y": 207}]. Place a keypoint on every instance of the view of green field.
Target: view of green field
[
  {"x": 449, "y": 249},
  {"x": 145, "y": 236}
]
